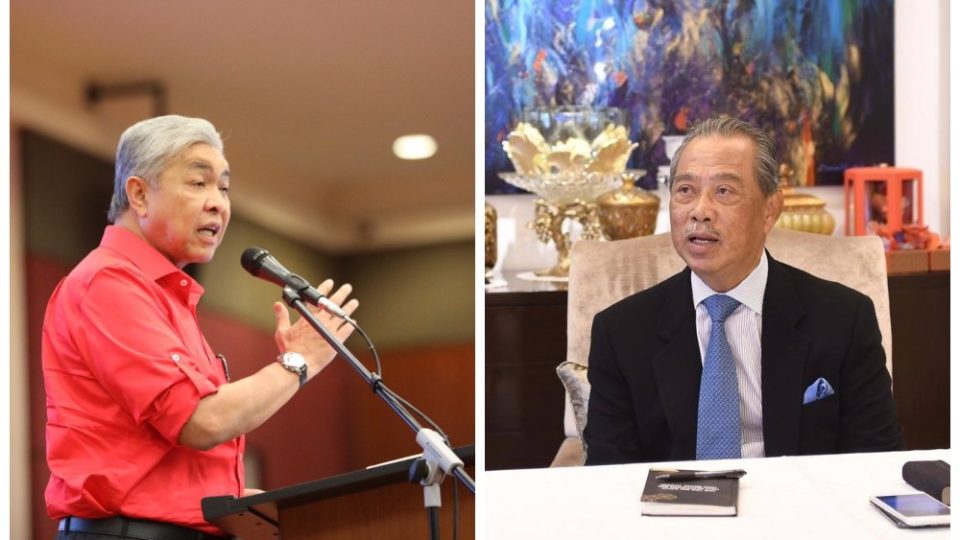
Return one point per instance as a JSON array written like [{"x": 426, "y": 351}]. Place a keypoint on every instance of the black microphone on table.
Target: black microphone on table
[
  {"x": 261, "y": 264},
  {"x": 930, "y": 477}
]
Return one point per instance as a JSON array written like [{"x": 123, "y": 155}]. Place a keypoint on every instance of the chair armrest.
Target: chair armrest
[{"x": 570, "y": 453}]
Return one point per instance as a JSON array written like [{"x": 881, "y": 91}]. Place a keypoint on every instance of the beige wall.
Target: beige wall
[
  {"x": 408, "y": 297},
  {"x": 231, "y": 290},
  {"x": 415, "y": 296}
]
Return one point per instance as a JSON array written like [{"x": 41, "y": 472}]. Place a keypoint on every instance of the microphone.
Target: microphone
[{"x": 260, "y": 263}]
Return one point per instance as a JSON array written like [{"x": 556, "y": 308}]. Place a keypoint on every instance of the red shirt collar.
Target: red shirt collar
[{"x": 144, "y": 256}]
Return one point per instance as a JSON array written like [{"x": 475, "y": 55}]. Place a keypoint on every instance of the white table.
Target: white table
[{"x": 808, "y": 498}]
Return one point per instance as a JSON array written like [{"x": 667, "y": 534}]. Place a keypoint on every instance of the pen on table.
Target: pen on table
[{"x": 701, "y": 475}]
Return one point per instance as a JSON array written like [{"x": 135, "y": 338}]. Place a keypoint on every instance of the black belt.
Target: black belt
[{"x": 138, "y": 529}]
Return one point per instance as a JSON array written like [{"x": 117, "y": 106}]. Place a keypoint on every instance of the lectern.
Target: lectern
[{"x": 377, "y": 502}]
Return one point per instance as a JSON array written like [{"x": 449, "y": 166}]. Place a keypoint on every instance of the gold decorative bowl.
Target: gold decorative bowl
[
  {"x": 806, "y": 213},
  {"x": 628, "y": 211},
  {"x": 568, "y": 156}
]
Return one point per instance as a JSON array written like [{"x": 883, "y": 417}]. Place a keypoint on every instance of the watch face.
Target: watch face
[{"x": 294, "y": 360}]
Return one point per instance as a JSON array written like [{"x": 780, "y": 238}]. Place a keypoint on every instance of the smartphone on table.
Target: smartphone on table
[{"x": 913, "y": 510}]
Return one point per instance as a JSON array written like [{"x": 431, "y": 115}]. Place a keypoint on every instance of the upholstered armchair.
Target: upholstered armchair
[{"x": 602, "y": 273}]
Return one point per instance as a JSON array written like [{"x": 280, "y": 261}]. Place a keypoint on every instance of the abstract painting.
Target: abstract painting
[{"x": 818, "y": 74}]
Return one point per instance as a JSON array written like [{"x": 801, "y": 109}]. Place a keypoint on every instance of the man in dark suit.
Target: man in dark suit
[{"x": 793, "y": 365}]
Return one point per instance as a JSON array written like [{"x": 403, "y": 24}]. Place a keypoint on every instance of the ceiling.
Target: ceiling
[{"x": 309, "y": 96}]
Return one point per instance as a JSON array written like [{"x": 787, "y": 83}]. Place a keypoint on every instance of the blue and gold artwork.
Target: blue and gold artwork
[{"x": 816, "y": 73}]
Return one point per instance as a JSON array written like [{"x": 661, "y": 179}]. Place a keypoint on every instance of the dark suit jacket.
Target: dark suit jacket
[{"x": 645, "y": 372}]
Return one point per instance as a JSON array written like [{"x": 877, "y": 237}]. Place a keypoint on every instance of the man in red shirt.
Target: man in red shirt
[{"x": 142, "y": 421}]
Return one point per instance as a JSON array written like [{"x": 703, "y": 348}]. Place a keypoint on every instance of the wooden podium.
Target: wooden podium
[{"x": 372, "y": 503}]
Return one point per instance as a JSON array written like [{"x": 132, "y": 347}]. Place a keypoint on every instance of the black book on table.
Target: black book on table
[{"x": 703, "y": 497}]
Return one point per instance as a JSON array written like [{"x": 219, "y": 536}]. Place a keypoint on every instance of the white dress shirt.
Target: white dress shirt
[{"x": 743, "y": 328}]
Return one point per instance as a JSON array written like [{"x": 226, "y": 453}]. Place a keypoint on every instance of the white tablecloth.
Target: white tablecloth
[{"x": 808, "y": 498}]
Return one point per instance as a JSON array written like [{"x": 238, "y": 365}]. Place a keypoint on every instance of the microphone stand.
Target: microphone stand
[{"x": 437, "y": 455}]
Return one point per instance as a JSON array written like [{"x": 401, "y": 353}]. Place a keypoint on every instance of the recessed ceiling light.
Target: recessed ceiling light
[{"x": 414, "y": 147}]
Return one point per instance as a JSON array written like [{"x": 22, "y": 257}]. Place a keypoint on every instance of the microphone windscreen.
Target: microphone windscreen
[
  {"x": 252, "y": 258},
  {"x": 930, "y": 477}
]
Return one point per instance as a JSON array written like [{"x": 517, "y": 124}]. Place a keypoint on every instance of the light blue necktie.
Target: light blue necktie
[{"x": 718, "y": 416}]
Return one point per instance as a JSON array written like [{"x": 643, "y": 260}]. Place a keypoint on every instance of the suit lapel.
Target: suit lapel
[
  {"x": 783, "y": 353},
  {"x": 677, "y": 365}
]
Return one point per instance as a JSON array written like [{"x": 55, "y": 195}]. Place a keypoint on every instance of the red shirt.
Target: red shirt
[{"x": 124, "y": 366}]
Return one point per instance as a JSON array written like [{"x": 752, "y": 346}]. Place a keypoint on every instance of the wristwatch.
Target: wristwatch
[{"x": 294, "y": 362}]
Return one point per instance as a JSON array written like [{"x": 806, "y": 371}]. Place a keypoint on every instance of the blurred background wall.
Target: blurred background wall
[{"x": 309, "y": 97}]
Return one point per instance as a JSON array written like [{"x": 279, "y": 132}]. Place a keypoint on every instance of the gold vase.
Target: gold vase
[
  {"x": 802, "y": 212},
  {"x": 489, "y": 236},
  {"x": 628, "y": 211}
]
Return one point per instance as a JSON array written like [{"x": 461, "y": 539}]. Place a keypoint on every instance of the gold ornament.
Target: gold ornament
[
  {"x": 532, "y": 155},
  {"x": 801, "y": 211},
  {"x": 568, "y": 157},
  {"x": 489, "y": 236},
  {"x": 548, "y": 225},
  {"x": 628, "y": 211}
]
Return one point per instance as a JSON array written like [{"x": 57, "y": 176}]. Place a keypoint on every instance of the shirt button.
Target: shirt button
[
  {"x": 183, "y": 283},
  {"x": 176, "y": 357}
]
